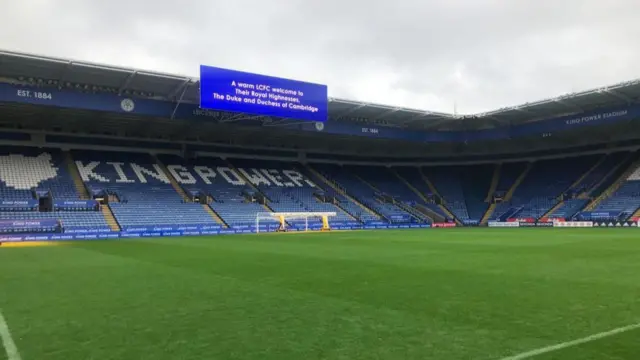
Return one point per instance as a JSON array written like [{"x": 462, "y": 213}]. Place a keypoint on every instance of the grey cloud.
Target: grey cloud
[{"x": 482, "y": 54}]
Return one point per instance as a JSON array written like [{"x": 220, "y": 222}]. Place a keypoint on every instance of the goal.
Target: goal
[{"x": 284, "y": 220}]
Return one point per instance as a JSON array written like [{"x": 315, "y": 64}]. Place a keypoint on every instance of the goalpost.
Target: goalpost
[{"x": 282, "y": 219}]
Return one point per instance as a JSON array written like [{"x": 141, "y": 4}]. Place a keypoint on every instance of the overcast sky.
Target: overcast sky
[{"x": 427, "y": 54}]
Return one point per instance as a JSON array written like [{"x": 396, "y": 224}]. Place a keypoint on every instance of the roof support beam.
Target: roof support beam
[
  {"x": 283, "y": 122},
  {"x": 517, "y": 108},
  {"x": 350, "y": 111},
  {"x": 384, "y": 114},
  {"x": 495, "y": 121},
  {"x": 417, "y": 117},
  {"x": 238, "y": 117},
  {"x": 618, "y": 95},
  {"x": 127, "y": 82},
  {"x": 434, "y": 123},
  {"x": 568, "y": 104},
  {"x": 173, "y": 114},
  {"x": 178, "y": 88},
  {"x": 64, "y": 71}
]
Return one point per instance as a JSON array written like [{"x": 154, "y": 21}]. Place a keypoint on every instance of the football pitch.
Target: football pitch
[{"x": 468, "y": 294}]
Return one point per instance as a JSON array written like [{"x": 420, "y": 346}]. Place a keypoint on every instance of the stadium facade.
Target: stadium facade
[{"x": 91, "y": 151}]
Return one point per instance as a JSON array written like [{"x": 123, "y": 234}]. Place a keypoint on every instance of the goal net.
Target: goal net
[{"x": 284, "y": 221}]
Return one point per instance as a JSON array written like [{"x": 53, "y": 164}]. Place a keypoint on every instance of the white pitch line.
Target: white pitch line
[
  {"x": 564, "y": 345},
  {"x": 9, "y": 346}
]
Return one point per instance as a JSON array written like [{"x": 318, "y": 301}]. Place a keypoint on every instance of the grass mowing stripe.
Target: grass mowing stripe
[
  {"x": 9, "y": 346},
  {"x": 568, "y": 344}
]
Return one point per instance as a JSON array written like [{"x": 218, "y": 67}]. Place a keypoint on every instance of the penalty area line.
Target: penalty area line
[
  {"x": 7, "y": 340},
  {"x": 568, "y": 344}
]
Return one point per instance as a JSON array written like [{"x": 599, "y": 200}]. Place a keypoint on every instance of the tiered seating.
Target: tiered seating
[
  {"x": 476, "y": 180},
  {"x": 214, "y": 177},
  {"x": 569, "y": 208},
  {"x": 624, "y": 201},
  {"x": 546, "y": 181},
  {"x": 146, "y": 196},
  {"x": 298, "y": 197},
  {"x": 602, "y": 170},
  {"x": 71, "y": 221},
  {"x": 349, "y": 206},
  {"x": 412, "y": 176},
  {"x": 365, "y": 194},
  {"x": 447, "y": 181},
  {"x": 509, "y": 173},
  {"x": 23, "y": 171}
]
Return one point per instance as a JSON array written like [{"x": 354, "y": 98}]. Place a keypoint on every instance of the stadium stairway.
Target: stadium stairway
[
  {"x": 430, "y": 213},
  {"x": 172, "y": 180},
  {"x": 214, "y": 215},
  {"x": 265, "y": 205},
  {"x": 337, "y": 205},
  {"x": 495, "y": 179},
  {"x": 616, "y": 169},
  {"x": 408, "y": 184},
  {"x": 441, "y": 206},
  {"x": 553, "y": 210},
  {"x": 340, "y": 190},
  {"x": 373, "y": 187},
  {"x": 488, "y": 213},
  {"x": 178, "y": 188},
  {"x": 613, "y": 187},
  {"x": 109, "y": 218},
  {"x": 561, "y": 202},
  {"x": 636, "y": 214},
  {"x": 81, "y": 188},
  {"x": 587, "y": 173},
  {"x": 517, "y": 183}
]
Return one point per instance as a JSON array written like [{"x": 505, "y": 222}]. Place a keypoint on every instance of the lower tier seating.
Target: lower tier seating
[{"x": 71, "y": 221}]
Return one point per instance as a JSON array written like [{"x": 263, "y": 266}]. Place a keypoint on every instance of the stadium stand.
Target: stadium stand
[
  {"x": 24, "y": 170},
  {"x": 288, "y": 190},
  {"x": 623, "y": 200},
  {"x": 224, "y": 189},
  {"x": 540, "y": 191},
  {"x": 341, "y": 198},
  {"x": 141, "y": 193},
  {"x": 367, "y": 195},
  {"x": 41, "y": 178}
]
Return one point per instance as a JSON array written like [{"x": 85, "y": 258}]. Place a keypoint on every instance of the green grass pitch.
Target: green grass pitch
[{"x": 471, "y": 294}]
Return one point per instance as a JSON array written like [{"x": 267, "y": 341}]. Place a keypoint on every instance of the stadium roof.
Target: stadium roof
[{"x": 186, "y": 89}]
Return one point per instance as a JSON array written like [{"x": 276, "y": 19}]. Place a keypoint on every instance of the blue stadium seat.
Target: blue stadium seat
[{"x": 146, "y": 196}]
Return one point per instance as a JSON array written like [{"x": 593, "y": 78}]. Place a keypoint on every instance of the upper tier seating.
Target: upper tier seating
[{"x": 146, "y": 195}]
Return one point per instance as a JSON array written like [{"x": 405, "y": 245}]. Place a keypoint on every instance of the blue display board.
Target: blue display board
[{"x": 237, "y": 91}]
